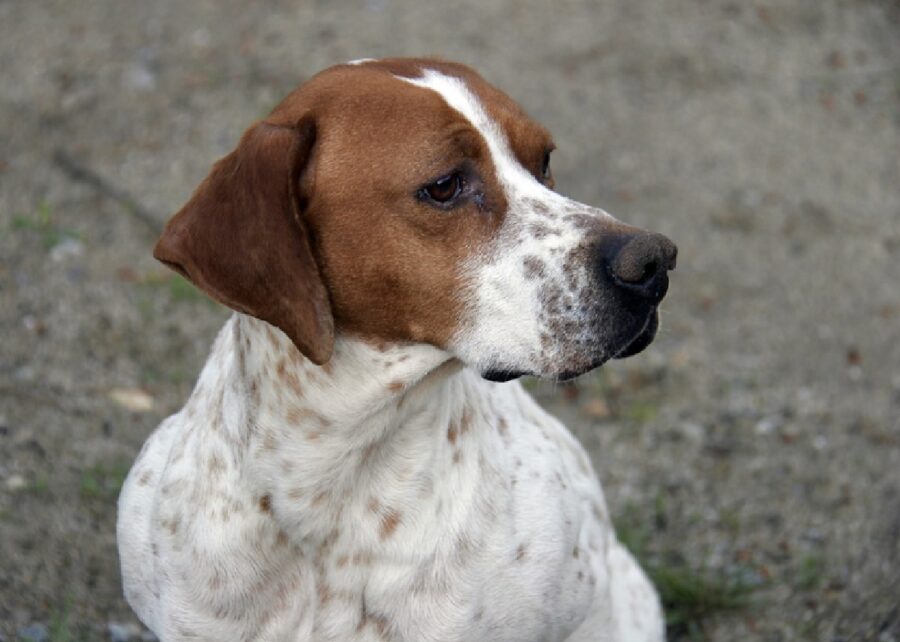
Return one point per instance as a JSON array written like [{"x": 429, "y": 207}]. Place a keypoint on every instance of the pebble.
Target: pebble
[
  {"x": 768, "y": 425},
  {"x": 69, "y": 248},
  {"x": 693, "y": 431},
  {"x": 36, "y": 632},
  {"x": 140, "y": 78},
  {"x": 125, "y": 632},
  {"x": 16, "y": 482}
]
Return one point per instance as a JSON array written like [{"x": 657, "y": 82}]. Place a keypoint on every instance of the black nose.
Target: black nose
[{"x": 640, "y": 264}]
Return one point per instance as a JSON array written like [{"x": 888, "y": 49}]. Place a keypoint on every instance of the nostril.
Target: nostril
[
  {"x": 640, "y": 265},
  {"x": 638, "y": 262},
  {"x": 649, "y": 271}
]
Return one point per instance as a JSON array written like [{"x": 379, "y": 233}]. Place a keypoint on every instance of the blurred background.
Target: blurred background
[{"x": 751, "y": 456}]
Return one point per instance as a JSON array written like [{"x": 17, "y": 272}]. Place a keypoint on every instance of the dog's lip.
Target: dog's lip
[{"x": 642, "y": 339}]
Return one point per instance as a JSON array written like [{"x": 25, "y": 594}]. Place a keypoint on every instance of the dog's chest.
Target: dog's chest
[
  {"x": 484, "y": 522},
  {"x": 514, "y": 552}
]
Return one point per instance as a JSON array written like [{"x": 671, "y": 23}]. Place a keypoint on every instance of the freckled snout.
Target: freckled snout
[{"x": 639, "y": 263}]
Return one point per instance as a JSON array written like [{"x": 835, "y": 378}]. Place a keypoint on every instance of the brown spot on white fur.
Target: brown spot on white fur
[
  {"x": 534, "y": 268},
  {"x": 389, "y": 522}
]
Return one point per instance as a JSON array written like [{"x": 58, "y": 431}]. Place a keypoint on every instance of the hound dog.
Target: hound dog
[{"x": 355, "y": 462}]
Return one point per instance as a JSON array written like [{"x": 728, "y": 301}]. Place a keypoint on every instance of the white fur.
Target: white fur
[{"x": 392, "y": 495}]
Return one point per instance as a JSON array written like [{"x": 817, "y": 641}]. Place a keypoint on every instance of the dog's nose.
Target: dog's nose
[{"x": 640, "y": 264}]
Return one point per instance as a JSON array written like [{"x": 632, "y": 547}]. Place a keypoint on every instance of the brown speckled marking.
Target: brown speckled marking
[
  {"x": 323, "y": 591},
  {"x": 395, "y": 386},
  {"x": 540, "y": 231},
  {"x": 361, "y": 558},
  {"x": 452, "y": 433},
  {"x": 534, "y": 268},
  {"x": 215, "y": 464},
  {"x": 389, "y": 523},
  {"x": 457, "y": 455},
  {"x": 520, "y": 553},
  {"x": 293, "y": 381},
  {"x": 502, "y": 426},
  {"x": 466, "y": 422},
  {"x": 265, "y": 503}
]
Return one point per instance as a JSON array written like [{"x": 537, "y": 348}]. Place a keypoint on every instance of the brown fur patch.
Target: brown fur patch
[
  {"x": 466, "y": 421},
  {"x": 389, "y": 523}
]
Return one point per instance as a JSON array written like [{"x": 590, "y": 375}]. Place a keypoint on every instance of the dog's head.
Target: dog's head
[{"x": 411, "y": 201}]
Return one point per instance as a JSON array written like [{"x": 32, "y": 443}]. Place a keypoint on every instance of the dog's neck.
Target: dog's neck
[
  {"x": 363, "y": 383},
  {"x": 376, "y": 420}
]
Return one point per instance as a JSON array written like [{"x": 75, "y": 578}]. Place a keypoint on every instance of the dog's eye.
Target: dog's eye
[
  {"x": 545, "y": 167},
  {"x": 444, "y": 190}
]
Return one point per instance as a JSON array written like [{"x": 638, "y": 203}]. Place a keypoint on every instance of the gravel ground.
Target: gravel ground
[{"x": 752, "y": 454}]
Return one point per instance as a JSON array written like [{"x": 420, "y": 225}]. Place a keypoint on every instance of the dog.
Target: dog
[{"x": 357, "y": 461}]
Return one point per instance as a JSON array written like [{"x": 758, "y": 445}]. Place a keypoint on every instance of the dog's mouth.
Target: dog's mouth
[
  {"x": 633, "y": 346},
  {"x": 643, "y": 339}
]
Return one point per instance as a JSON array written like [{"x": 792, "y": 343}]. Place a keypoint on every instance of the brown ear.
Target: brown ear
[{"x": 241, "y": 238}]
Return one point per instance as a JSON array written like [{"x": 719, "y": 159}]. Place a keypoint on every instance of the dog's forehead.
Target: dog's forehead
[{"x": 403, "y": 90}]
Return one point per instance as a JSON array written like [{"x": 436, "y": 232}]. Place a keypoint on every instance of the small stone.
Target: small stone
[
  {"x": 693, "y": 431},
  {"x": 133, "y": 399},
  {"x": 123, "y": 631},
  {"x": 33, "y": 324},
  {"x": 67, "y": 249},
  {"x": 596, "y": 408},
  {"x": 36, "y": 632},
  {"x": 16, "y": 482},
  {"x": 140, "y": 78},
  {"x": 768, "y": 425}
]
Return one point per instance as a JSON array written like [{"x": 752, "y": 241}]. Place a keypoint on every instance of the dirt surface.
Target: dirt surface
[{"x": 754, "y": 448}]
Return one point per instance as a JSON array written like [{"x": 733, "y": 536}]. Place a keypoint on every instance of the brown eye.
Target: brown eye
[{"x": 443, "y": 190}]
